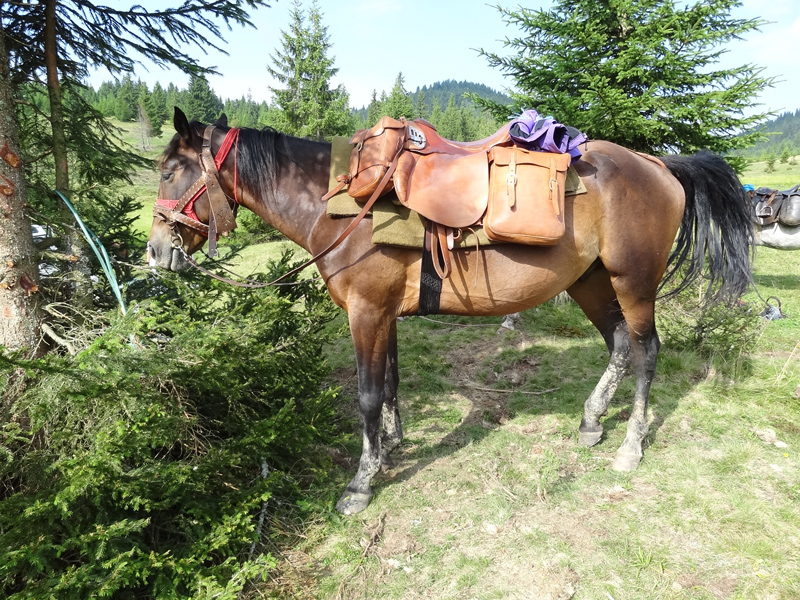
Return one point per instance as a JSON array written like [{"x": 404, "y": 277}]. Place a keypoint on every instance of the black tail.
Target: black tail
[{"x": 715, "y": 224}]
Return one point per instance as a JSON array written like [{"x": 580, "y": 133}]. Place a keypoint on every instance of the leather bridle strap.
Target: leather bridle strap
[
  {"x": 221, "y": 218},
  {"x": 221, "y": 215}
]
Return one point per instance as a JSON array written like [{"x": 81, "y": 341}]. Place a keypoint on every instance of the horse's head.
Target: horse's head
[{"x": 191, "y": 206}]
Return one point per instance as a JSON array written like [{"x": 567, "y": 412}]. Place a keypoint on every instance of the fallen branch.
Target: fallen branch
[
  {"x": 58, "y": 339},
  {"x": 375, "y": 532},
  {"x": 484, "y": 389},
  {"x": 58, "y": 256}
]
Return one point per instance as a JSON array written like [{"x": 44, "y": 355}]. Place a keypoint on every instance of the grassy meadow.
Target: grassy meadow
[
  {"x": 491, "y": 497},
  {"x": 783, "y": 177}
]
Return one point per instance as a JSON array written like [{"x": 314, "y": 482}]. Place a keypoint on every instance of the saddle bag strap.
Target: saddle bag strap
[
  {"x": 511, "y": 180},
  {"x": 343, "y": 180},
  {"x": 381, "y": 185},
  {"x": 553, "y": 185},
  {"x": 436, "y": 240}
]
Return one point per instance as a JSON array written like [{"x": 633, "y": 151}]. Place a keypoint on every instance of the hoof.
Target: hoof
[
  {"x": 626, "y": 462},
  {"x": 353, "y": 502},
  {"x": 589, "y": 438}
]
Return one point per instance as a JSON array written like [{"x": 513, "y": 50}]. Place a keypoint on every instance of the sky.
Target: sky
[{"x": 434, "y": 40}]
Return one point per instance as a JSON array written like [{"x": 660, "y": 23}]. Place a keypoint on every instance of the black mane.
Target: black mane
[{"x": 256, "y": 158}]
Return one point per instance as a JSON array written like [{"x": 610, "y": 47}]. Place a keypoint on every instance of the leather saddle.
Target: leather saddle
[
  {"x": 771, "y": 205},
  {"x": 516, "y": 195}
]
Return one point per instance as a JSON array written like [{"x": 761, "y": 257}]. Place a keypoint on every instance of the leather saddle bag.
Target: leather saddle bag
[
  {"x": 374, "y": 151},
  {"x": 790, "y": 212},
  {"x": 526, "y": 197},
  {"x": 448, "y": 189}
]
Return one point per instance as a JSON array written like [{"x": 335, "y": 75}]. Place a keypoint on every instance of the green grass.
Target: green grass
[
  {"x": 492, "y": 497},
  {"x": 783, "y": 177}
]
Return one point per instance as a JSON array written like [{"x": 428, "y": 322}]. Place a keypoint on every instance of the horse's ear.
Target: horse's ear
[
  {"x": 222, "y": 121},
  {"x": 182, "y": 125}
]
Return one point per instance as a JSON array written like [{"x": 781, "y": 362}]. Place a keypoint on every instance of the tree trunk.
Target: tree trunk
[
  {"x": 74, "y": 241},
  {"x": 20, "y": 321}
]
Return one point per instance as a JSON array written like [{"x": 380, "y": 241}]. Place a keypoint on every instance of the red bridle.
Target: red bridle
[{"x": 221, "y": 220}]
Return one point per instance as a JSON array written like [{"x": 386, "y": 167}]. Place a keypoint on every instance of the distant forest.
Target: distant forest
[
  {"x": 441, "y": 92},
  {"x": 783, "y": 140},
  {"x": 442, "y": 103}
]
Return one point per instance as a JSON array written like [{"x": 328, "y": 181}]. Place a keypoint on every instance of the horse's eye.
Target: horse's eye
[{"x": 166, "y": 175}]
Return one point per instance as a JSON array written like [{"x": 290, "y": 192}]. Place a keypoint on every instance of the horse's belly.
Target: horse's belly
[{"x": 509, "y": 280}]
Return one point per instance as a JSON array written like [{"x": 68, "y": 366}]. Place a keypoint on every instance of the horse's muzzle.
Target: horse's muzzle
[{"x": 170, "y": 258}]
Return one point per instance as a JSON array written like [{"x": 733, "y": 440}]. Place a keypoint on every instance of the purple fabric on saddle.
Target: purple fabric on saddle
[{"x": 533, "y": 132}]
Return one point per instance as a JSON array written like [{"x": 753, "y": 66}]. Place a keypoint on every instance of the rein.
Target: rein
[{"x": 247, "y": 283}]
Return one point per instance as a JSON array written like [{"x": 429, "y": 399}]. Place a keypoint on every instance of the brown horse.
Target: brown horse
[{"x": 617, "y": 247}]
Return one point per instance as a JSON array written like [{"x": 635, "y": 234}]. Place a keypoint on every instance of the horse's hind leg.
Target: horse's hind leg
[
  {"x": 598, "y": 300},
  {"x": 639, "y": 311},
  {"x": 392, "y": 430},
  {"x": 371, "y": 334}
]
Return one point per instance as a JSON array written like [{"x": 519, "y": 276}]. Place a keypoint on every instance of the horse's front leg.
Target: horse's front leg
[
  {"x": 392, "y": 435},
  {"x": 371, "y": 334}
]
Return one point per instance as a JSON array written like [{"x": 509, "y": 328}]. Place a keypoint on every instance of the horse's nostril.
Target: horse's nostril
[{"x": 151, "y": 258}]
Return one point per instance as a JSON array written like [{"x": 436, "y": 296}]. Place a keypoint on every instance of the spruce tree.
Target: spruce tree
[
  {"x": 173, "y": 97},
  {"x": 309, "y": 107},
  {"x": 288, "y": 71},
  {"x": 326, "y": 111},
  {"x": 20, "y": 327},
  {"x": 452, "y": 122},
  {"x": 642, "y": 73},
  {"x": 436, "y": 114},
  {"x": 399, "y": 103},
  {"x": 374, "y": 110},
  {"x": 157, "y": 109},
  {"x": 125, "y": 103},
  {"x": 201, "y": 102},
  {"x": 420, "y": 106}
]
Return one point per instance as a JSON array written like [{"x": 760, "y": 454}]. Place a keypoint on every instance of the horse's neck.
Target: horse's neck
[{"x": 291, "y": 203}]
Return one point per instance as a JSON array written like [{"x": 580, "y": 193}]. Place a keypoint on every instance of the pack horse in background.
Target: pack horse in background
[
  {"x": 609, "y": 247},
  {"x": 776, "y": 217}
]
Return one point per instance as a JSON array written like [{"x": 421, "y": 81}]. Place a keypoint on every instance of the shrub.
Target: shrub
[
  {"x": 687, "y": 322},
  {"x": 139, "y": 467}
]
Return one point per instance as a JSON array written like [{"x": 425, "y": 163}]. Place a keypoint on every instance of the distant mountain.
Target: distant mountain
[
  {"x": 784, "y": 135},
  {"x": 441, "y": 91}
]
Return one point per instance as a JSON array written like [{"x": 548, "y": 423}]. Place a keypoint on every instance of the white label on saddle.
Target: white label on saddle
[{"x": 416, "y": 137}]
